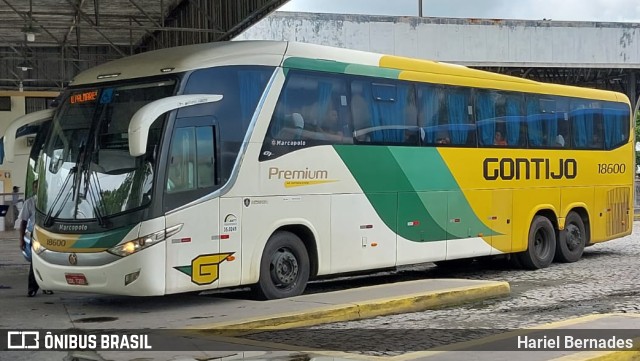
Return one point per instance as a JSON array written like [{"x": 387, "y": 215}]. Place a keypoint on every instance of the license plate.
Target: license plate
[{"x": 76, "y": 279}]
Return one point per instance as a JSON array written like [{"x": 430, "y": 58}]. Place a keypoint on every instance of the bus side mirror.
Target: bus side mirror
[{"x": 145, "y": 116}]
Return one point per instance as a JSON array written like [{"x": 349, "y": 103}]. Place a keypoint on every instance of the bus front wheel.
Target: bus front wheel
[
  {"x": 542, "y": 244},
  {"x": 572, "y": 240},
  {"x": 284, "y": 267}
]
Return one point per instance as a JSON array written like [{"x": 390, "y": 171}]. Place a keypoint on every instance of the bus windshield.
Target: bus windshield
[{"x": 87, "y": 170}]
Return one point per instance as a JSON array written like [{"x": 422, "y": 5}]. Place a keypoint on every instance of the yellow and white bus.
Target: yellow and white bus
[{"x": 270, "y": 163}]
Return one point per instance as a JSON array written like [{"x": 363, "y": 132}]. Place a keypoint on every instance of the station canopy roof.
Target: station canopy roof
[{"x": 44, "y": 43}]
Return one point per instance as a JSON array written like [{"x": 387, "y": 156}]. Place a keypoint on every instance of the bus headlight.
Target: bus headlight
[
  {"x": 36, "y": 246},
  {"x": 136, "y": 245},
  {"x": 131, "y": 247}
]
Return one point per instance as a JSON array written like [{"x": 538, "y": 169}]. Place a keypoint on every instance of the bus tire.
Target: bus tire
[
  {"x": 542, "y": 244},
  {"x": 572, "y": 239},
  {"x": 284, "y": 267}
]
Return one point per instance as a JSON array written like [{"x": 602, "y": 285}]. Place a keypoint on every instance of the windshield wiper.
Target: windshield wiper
[
  {"x": 48, "y": 219},
  {"x": 97, "y": 200}
]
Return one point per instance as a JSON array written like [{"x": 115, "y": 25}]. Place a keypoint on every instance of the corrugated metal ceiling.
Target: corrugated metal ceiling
[{"x": 72, "y": 35}]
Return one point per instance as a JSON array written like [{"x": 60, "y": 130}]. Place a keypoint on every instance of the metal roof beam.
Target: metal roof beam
[
  {"x": 149, "y": 33},
  {"x": 96, "y": 11},
  {"x": 87, "y": 19},
  {"x": 212, "y": 22},
  {"x": 33, "y": 20},
  {"x": 153, "y": 21},
  {"x": 76, "y": 18}
]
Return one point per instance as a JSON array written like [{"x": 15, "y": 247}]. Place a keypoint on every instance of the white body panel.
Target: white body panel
[
  {"x": 410, "y": 252},
  {"x": 199, "y": 236},
  {"x": 231, "y": 221},
  {"x": 359, "y": 238},
  {"x": 468, "y": 247},
  {"x": 109, "y": 279}
]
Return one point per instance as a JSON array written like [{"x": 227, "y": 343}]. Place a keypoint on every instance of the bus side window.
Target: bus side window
[
  {"x": 384, "y": 112},
  {"x": 430, "y": 110},
  {"x": 615, "y": 118},
  {"x": 181, "y": 171}
]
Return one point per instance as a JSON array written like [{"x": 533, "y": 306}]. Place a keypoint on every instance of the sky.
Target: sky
[{"x": 573, "y": 10}]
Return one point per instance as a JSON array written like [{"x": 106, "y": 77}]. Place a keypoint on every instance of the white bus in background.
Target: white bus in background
[{"x": 270, "y": 163}]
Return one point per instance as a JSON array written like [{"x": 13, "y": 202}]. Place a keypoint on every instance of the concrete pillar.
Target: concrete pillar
[{"x": 632, "y": 91}]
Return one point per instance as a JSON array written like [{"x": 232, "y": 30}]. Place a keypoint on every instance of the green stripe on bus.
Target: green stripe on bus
[
  {"x": 106, "y": 239},
  {"x": 424, "y": 186},
  {"x": 340, "y": 67}
]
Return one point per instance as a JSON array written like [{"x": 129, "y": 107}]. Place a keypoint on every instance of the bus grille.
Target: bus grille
[{"x": 618, "y": 215}]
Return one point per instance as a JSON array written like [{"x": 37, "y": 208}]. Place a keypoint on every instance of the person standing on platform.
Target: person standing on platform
[{"x": 27, "y": 221}]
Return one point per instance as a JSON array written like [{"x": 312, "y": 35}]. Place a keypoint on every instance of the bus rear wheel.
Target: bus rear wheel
[
  {"x": 572, "y": 240},
  {"x": 284, "y": 267},
  {"x": 542, "y": 244}
]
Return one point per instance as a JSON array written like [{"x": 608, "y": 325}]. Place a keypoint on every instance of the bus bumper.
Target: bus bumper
[{"x": 110, "y": 278}]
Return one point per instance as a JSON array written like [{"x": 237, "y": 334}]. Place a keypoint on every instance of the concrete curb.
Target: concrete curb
[{"x": 360, "y": 310}]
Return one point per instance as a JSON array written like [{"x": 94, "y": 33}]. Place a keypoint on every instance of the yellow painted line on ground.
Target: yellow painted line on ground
[
  {"x": 506, "y": 335},
  {"x": 601, "y": 356},
  {"x": 359, "y": 310},
  {"x": 631, "y": 354}
]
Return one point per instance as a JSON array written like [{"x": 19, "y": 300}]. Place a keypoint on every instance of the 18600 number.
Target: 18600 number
[{"x": 611, "y": 168}]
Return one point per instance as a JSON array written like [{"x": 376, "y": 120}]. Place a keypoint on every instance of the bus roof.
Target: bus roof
[
  {"x": 185, "y": 58},
  {"x": 319, "y": 57}
]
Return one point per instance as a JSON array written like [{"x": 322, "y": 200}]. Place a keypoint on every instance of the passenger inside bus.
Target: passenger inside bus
[
  {"x": 443, "y": 138},
  {"x": 499, "y": 139},
  {"x": 292, "y": 127},
  {"x": 331, "y": 127}
]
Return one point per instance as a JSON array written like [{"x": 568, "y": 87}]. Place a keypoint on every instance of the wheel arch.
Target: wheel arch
[
  {"x": 308, "y": 238},
  {"x": 582, "y": 211},
  {"x": 545, "y": 210},
  {"x": 301, "y": 228}
]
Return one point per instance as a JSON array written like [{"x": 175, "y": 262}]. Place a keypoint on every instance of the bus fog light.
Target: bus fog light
[{"x": 131, "y": 277}]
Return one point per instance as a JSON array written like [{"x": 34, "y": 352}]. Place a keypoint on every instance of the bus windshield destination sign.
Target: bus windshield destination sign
[{"x": 84, "y": 97}]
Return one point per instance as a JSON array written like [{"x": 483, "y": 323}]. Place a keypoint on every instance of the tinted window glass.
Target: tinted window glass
[
  {"x": 313, "y": 109},
  {"x": 241, "y": 88},
  {"x": 586, "y": 125},
  {"x": 384, "y": 112},
  {"x": 182, "y": 161},
  {"x": 445, "y": 116},
  {"x": 206, "y": 157},
  {"x": 616, "y": 125}
]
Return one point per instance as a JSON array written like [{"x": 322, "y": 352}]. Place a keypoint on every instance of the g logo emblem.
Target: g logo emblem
[
  {"x": 73, "y": 259},
  {"x": 247, "y": 201}
]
